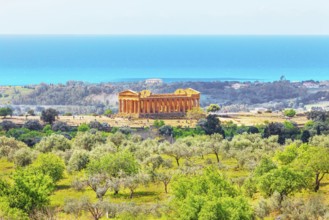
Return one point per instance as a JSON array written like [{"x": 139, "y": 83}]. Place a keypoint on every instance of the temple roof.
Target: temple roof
[{"x": 147, "y": 93}]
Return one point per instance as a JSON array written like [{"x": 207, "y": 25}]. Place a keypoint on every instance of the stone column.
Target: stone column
[
  {"x": 123, "y": 106},
  {"x": 153, "y": 106},
  {"x": 138, "y": 106},
  {"x": 148, "y": 106},
  {"x": 130, "y": 106},
  {"x": 156, "y": 105},
  {"x": 174, "y": 102}
]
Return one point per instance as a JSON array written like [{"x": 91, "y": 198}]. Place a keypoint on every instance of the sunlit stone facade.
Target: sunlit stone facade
[{"x": 146, "y": 104}]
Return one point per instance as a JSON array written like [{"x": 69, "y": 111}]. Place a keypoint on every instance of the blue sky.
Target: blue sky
[{"x": 267, "y": 17}]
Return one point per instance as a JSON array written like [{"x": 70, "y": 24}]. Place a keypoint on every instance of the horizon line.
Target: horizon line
[{"x": 233, "y": 35}]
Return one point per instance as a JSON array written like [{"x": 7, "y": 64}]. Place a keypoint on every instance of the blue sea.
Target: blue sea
[{"x": 57, "y": 59}]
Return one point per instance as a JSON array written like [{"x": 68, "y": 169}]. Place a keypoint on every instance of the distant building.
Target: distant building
[
  {"x": 238, "y": 85},
  {"x": 311, "y": 85},
  {"x": 153, "y": 81},
  {"x": 146, "y": 104}
]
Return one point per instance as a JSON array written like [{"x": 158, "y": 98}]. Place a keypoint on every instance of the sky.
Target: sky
[{"x": 165, "y": 17}]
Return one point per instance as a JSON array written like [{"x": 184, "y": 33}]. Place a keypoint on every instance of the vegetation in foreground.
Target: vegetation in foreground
[{"x": 215, "y": 171}]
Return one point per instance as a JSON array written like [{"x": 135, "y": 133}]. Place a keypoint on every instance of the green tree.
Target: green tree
[
  {"x": 78, "y": 160},
  {"x": 110, "y": 166},
  {"x": 289, "y": 113},
  {"x": 195, "y": 113},
  {"x": 54, "y": 142},
  {"x": 314, "y": 160},
  {"x": 83, "y": 127},
  {"x": 166, "y": 130},
  {"x": 283, "y": 180},
  {"x": 213, "y": 108},
  {"x": 114, "y": 164},
  {"x": 7, "y": 212},
  {"x": 108, "y": 112},
  {"x": 49, "y": 115},
  {"x": 49, "y": 164},
  {"x": 178, "y": 151},
  {"x": 158, "y": 123},
  {"x": 88, "y": 140},
  {"x": 211, "y": 125},
  {"x": 5, "y": 111},
  {"x": 208, "y": 196},
  {"x": 30, "y": 191}
]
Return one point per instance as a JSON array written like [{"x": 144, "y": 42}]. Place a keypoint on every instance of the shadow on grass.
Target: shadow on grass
[
  {"x": 135, "y": 195},
  {"x": 63, "y": 187}
]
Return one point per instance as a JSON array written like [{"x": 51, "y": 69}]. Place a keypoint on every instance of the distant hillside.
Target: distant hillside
[{"x": 276, "y": 95}]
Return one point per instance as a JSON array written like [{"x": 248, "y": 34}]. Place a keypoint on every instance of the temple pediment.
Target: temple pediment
[{"x": 128, "y": 93}]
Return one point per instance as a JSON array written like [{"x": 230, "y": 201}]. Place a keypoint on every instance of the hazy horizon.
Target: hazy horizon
[{"x": 170, "y": 17}]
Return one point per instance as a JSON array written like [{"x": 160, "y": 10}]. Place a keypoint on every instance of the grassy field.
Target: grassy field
[
  {"x": 238, "y": 118},
  {"x": 153, "y": 193}
]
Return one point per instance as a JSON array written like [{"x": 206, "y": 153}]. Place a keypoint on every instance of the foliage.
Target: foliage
[
  {"x": 100, "y": 126},
  {"x": 208, "y": 196},
  {"x": 87, "y": 140},
  {"x": 195, "y": 113},
  {"x": 166, "y": 130},
  {"x": 8, "y": 146},
  {"x": 60, "y": 126},
  {"x": 7, "y": 212},
  {"x": 33, "y": 125},
  {"x": 213, "y": 108},
  {"x": 158, "y": 123},
  {"x": 305, "y": 136},
  {"x": 7, "y": 125},
  {"x": 108, "y": 112},
  {"x": 83, "y": 127},
  {"x": 125, "y": 130},
  {"x": 49, "y": 164},
  {"x": 53, "y": 142},
  {"x": 78, "y": 160},
  {"x": 114, "y": 165},
  {"x": 23, "y": 157},
  {"x": 211, "y": 125},
  {"x": 5, "y": 111},
  {"x": 289, "y": 113},
  {"x": 30, "y": 190},
  {"x": 25, "y": 135},
  {"x": 49, "y": 115},
  {"x": 283, "y": 180},
  {"x": 187, "y": 132},
  {"x": 275, "y": 128}
]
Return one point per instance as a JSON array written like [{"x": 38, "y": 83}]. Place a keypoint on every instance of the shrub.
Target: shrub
[
  {"x": 87, "y": 140},
  {"x": 78, "y": 161},
  {"x": 289, "y": 113},
  {"x": 49, "y": 115},
  {"x": 7, "y": 125},
  {"x": 23, "y": 157},
  {"x": 53, "y": 142},
  {"x": 83, "y": 127},
  {"x": 158, "y": 123},
  {"x": 60, "y": 126},
  {"x": 49, "y": 164},
  {"x": 33, "y": 125}
]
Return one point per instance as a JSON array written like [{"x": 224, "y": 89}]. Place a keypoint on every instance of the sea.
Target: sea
[{"x": 60, "y": 58}]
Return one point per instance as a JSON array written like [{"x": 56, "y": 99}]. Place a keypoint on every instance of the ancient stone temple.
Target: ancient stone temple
[{"x": 146, "y": 104}]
